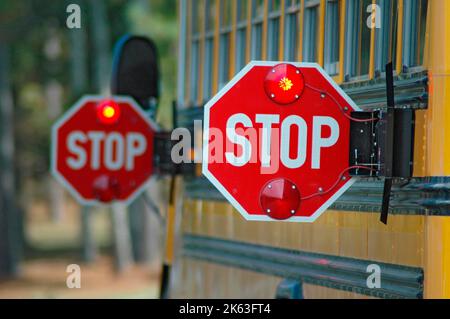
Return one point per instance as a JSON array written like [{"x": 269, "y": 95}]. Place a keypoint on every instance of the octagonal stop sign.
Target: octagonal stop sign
[
  {"x": 276, "y": 141},
  {"x": 102, "y": 149}
]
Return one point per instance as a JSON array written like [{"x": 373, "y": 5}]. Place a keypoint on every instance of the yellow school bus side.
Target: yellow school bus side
[
  {"x": 415, "y": 237},
  {"x": 437, "y": 249}
]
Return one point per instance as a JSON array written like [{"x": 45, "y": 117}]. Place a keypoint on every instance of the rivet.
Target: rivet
[
  {"x": 293, "y": 186},
  {"x": 273, "y": 70},
  {"x": 269, "y": 186},
  {"x": 296, "y": 96},
  {"x": 298, "y": 72},
  {"x": 272, "y": 95},
  {"x": 268, "y": 210},
  {"x": 292, "y": 212},
  {"x": 345, "y": 108},
  {"x": 322, "y": 95},
  {"x": 344, "y": 178},
  {"x": 320, "y": 189}
]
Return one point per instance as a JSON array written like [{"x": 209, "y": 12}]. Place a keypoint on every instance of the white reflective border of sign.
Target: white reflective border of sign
[
  {"x": 54, "y": 146},
  {"x": 222, "y": 189}
]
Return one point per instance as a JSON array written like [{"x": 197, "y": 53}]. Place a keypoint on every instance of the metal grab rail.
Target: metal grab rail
[{"x": 336, "y": 272}]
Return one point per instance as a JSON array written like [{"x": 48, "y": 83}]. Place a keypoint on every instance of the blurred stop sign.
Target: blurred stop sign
[
  {"x": 276, "y": 141},
  {"x": 102, "y": 149}
]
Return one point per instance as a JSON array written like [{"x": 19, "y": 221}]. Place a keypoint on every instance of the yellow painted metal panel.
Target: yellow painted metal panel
[
  {"x": 379, "y": 239},
  {"x": 353, "y": 235},
  {"x": 437, "y": 261},
  {"x": 325, "y": 234},
  {"x": 437, "y": 249},
  {"x": 438, "y": 132},
  {"x": 350, "y": 234},
  {"x": 407, "y": 239}
]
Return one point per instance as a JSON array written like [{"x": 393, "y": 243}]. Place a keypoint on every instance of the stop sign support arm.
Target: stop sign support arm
[{"x": 384, "y": 142}]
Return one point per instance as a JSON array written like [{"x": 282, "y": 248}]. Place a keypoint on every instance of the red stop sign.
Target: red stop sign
[
  {"x": 276, "y": 141},
  {"x": 102, "y": 149}
]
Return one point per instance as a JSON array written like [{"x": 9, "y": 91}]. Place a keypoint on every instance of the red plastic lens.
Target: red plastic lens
[
  {"x": 280, "y": 198},
  {"x": 108, "y": 112},
  {"x": 284, "y": 83},
  {"x": 106, "y": 188}
]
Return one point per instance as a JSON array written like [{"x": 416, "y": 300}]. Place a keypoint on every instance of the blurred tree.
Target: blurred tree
[{"x": 8, "y": 211}]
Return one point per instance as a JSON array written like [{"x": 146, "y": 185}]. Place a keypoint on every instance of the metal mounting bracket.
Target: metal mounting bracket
[{"x": 384, "y": 142}]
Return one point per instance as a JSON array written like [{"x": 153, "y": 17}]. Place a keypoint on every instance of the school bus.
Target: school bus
[{"x": 220, "y": 255}]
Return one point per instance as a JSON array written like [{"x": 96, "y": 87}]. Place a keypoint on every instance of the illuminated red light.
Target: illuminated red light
[
  {"x": 280, "y": 198},
  {"x": 108, "y": 112},
  {"x": 284, "y": 83}
]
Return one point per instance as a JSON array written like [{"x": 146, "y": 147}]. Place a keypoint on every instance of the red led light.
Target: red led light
[
  {"x": 108, "y": 112},
  {"x": 284, "y": 83},
  {"x": 106, "y": 188},
  {"x": 280, "y": 198}
]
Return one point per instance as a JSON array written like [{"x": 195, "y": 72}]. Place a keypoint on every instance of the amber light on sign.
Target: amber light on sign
[
  {"x": 284, "y": 83},
  {"x": 108, "y": 112}
]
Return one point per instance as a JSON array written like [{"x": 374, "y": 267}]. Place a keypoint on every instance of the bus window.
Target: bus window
[
  {"x": 257, "y": 22},
  {"x": 386, "y": 35},
  {"x": 414, "y": 21},
  {"x": 273, "y": 30},
  {"x": 310, "y": 28},
  {"x": 331, "y": 45},
  {"x": 241, "y": 33},
  {"x": 357, "y": 42},
  {"x": 210, "y": 10},
  {"x": 291, "y": 30},
  {"x": 224, "y": 42}
]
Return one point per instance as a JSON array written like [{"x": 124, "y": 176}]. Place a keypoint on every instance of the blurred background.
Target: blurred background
[{"x": 44, "y": 68}]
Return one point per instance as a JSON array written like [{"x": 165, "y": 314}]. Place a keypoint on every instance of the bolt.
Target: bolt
[
  {"x": 273, "y": 70},
  {"x": 344, "y": 178},
  {"x": 297, "y": 71},
  {"x": 345, "y": 108},
  {"x": 268, "y": 210},
  {"x": 362, "y": 131},
  {"x": 320, "y": 189},
  {"x": 322, "y": 95},
  {"x": 269, "y": 186},
  {"x": 296, "y": 96},
  {"x": 272, "y": 95},
  {"x": 293, "y": 186},
  {"x": 292, "y": 212}
]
